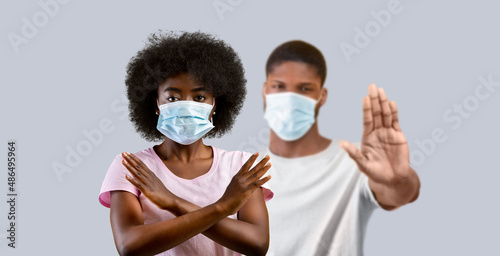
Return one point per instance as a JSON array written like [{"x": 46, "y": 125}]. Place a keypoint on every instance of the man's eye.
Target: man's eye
[
  {"x": 278, "y": 86},
  {"x": 172, "y": 99},
  {"x": 306, "y": 89}
]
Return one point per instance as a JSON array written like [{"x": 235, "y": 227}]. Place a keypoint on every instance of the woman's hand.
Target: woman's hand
[
  {"x": 244, "y": 184},
  {"x": 148, "y": 183}
]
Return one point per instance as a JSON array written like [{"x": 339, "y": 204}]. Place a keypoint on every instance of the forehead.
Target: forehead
[
  {"x": 180, "y": 81},
  {"x": 294, "y": 71}
]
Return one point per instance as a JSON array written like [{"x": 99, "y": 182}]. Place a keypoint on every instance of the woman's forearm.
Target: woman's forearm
[
  {"x": 151, "y": 239},
  {"x": 237, "y": 235}
]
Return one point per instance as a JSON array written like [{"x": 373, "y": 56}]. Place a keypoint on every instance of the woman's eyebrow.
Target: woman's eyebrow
[
  {"x": 199, "y": 89},
  {"x": 172, "y": 89}
]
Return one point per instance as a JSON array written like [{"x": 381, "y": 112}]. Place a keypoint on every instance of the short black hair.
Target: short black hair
[
  {"x": 298, "y": 51},
  {"x": 210, "y": 61}
]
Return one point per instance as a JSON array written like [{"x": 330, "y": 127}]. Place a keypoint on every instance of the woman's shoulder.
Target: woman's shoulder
[
  {"x": 145, "y": 154},
  {"x": 230, "y": 153},
  {"x": 234, "y": 156}
]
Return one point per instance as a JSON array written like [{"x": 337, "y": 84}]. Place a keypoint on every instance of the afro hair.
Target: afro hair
[{"x": 210, "y": 61}]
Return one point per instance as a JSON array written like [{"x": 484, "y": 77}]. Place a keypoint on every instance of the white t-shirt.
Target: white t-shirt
[{"x": 321, "y": 204}]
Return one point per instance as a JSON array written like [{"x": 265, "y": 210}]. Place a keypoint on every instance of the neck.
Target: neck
[
  {"x": 311, "y": 143},
  {"x": 171, "y": 150}
]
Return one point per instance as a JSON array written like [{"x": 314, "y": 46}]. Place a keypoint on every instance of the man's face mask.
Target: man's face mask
[
  {"x": 290, "y": 115},
  {"x": 184, "y": 121}
]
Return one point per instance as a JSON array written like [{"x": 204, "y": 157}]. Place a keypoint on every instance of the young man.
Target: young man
[{"x": 326, "y": 190}]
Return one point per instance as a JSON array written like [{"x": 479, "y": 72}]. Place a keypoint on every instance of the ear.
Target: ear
[
  {"x": 157, "y": 110},
  {"x": 264, "y": 89},
  {"x": 324, "y": 96},
  {"x": 212, "y": 112},
  {"x": 264, "y": 93}
]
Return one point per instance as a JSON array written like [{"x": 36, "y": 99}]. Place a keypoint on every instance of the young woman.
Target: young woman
[{"x": 182, "y": 197}]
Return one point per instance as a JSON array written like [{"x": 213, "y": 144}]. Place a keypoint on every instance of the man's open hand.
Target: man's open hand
[{"x": 384, "y": 154}]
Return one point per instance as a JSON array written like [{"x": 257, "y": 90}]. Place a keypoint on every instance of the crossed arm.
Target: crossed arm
[
  {"x": 248, "y": 235},
  {"x": 384, "y": 154}
]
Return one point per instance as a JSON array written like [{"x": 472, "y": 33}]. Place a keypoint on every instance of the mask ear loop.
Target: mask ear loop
[
  {"x": 317, "y": 102},
  {"x": 213, "y": 105},
  {"x": 320, "y": 96},
  {"x": 158, "y": 105},
  {"x": 212, "y": 121}
]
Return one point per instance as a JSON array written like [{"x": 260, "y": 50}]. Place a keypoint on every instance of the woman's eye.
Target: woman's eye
[
  {"x": 172, "y": 99},
  {"x": 200, "y": 98}
]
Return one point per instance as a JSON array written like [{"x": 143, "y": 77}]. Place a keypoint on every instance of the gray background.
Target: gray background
[{"x": 70, "y": 76}]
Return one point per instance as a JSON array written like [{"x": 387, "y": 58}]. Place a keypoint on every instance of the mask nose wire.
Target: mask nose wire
[{"x": 158, "y": 104}]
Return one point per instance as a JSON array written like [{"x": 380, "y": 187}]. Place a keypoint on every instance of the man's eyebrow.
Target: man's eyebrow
[
  {"x": 172, "y": 89},
  {"x": 306, "y": 84}
]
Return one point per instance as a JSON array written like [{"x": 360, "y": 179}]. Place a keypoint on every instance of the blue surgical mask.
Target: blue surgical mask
[
  {"x": 184, "y": 121},
  {"x": 290, "y": 115}
]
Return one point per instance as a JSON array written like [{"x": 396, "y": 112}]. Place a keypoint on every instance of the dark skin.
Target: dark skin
[
  {"x": 384, "y": 154},
  {"x": 302, "y": 79},
  {"x": 249, "y": 234}
]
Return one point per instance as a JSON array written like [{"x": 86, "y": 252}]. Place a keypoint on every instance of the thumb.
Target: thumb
[{"x": 354, "y": 153}]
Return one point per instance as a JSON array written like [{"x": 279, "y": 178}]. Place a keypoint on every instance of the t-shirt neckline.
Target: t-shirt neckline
[
  {"x": 318, "y": 155},
  {"x": 172, "y": 175}
]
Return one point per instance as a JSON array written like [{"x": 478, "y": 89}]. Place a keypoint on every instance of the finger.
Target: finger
[
  {"x": 260, "y": 172},
  {"x": 263, "y": 181},
  {"x": 134, "y": 182},
  {"x": 137, "y": 175},
  {"x": 255, "y": 170},
  {"x": 246, "y": 166},
  {"x": 354, "y": 153},
  {"x": 395, "y": 117},
  {"x": 133, "y": 165},
  {"x": 135, "y": 161},
  {"x": 258, "y": 166},
  {"x": 376, "y": 109},
  {"x": 386, "y": 110},
  {"x": 141, "y": 168},
  {"x": 367, "y": 115}
]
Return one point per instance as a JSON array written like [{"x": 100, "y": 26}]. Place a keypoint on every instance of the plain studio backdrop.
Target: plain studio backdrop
[{"x": 63, "y": 103}]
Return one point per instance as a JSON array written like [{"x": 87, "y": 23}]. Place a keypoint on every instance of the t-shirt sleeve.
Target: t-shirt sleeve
[
  {"x": 115, "y": 180},
  {"x": 366, "y": 191},
  {"x": 266, "y": 190}
]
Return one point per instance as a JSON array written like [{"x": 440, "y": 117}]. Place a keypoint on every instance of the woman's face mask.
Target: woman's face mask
[{"x": 184, "y": 121}]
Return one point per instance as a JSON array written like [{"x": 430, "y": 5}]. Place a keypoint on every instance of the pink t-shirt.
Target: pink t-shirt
[{"x": 202, "y": 191}]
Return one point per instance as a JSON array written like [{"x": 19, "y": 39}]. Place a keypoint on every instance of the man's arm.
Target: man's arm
[
  {"x": 384, "y": 156},
  {"x": 403, "y": 191}
]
